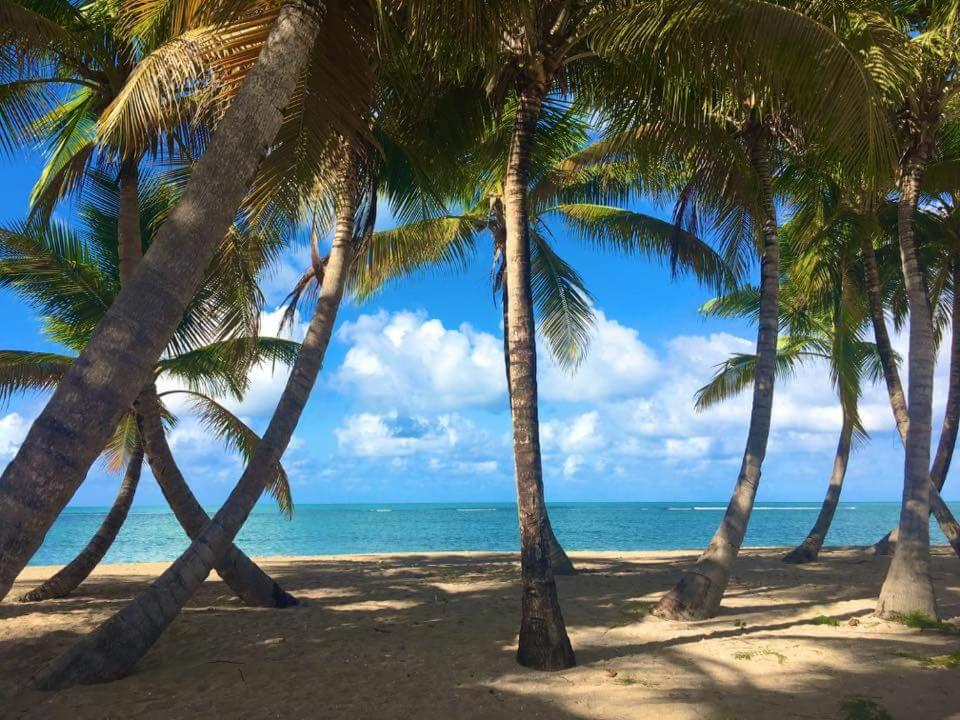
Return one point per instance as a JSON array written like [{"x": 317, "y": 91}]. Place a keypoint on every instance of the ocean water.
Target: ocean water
[{"x": 153, "y": 533}]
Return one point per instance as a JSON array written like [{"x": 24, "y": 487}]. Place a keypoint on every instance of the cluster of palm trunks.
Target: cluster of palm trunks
[{"x": 197, "y": 137}]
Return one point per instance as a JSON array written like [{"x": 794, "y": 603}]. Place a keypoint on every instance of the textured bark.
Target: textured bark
[
  {"x": 112, "y": 650},
  {"x": 809, "y": 549},
  {"x": 908, "y": 586},
  {"x": 250, "y": 583},
  {"x": 70, "y": 576},
  {"x": 948, "y": 433},
  {"x": 129, "y": 237},
  {"x": 888, "y": 357},
  {"x": 560, "y": 562},
  {"x": 700, "y": 590},
  {"x": 116, "y": 364},
  {"x": 543, "y": 641}
]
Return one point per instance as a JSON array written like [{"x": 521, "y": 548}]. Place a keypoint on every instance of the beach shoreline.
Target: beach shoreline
[{"x": 431, "y": 635}]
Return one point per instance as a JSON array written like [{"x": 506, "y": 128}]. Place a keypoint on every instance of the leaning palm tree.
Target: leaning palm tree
[
  {"x": 348, "y": 197},
  {"x": 930, "y": 35},
  {"x": 72, "y": 429},
  {"x": 71, "y": 274},
  {"x": 823, "y": 312},
  {"x": 839, "y": 214},
  {"x": 726, "y": 134}
]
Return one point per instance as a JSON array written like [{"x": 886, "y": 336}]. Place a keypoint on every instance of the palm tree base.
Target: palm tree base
[
  {"x": 543, "y": 642},
  {"x": 802, "y": 554},
  {"x": 41, "y": 593},
  {"x": 907, "y": 590},
  {"x": 695, "y": 597},
  {"x": 885, "y": 545}
]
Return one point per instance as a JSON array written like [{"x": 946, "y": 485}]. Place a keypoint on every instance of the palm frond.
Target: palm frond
[{"x": 236, "y": 435}]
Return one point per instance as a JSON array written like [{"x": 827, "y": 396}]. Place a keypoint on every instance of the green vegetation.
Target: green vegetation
[
  {"x": 750, "y": 654},
  {"x": 861, "y": 708}
]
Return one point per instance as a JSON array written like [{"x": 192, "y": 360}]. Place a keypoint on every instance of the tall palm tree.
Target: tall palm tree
[
  {"x": 76, "y": 422},
  {"x": 931, "y": 36},
  {"x": 823, "y": 311},
  {"x": 561, "y": 193},
  {"x": 844, "y": 214},
  {"x": 71, "y": 274},
  {"x": 725, "y": 132}
]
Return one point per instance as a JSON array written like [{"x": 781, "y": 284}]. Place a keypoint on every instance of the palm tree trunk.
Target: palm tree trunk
[
  {"x": 700, "y": 590},
  {"x": 908, "y": 587},
  {"x": 559, "y": 560},
  {"x": 888, "y": 358},
  {"x": 70, "y": 576},
  {"x": 809, "y": 549},
  {"x": 250, "y": 583},
  {"x": 891, "y": 373},
  {"x": 129, "y": 250},
  {"x": 129, "y": 237},
  {"x": 543, "y": 642},
  {"x": 104, "y": 381},
  {"x": 112, "y": 650}
]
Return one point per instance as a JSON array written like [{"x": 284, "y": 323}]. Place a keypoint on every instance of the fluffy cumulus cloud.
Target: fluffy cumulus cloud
[
  {"x": 13, "y": 428},
  {"x": 408, "y": 360},
  {"x": 628, "y": 411}
]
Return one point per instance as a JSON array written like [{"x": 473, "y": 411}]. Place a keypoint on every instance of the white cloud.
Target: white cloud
[
  {"x": 13, "y": 429},
  {"x": 618, "y": 365},
  {"x": 408, "y": 360},
  {"x": 393, "y": 435}
]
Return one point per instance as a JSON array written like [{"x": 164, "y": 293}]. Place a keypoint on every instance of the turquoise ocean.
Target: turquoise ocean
[{"x": 153, "y": 533}]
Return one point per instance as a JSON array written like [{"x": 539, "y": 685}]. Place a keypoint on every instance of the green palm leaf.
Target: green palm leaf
[{"x": 236, "y": 435}]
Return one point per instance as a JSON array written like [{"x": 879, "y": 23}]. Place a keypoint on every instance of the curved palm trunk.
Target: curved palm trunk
[
  {"x": 70, "y": 576},
  {"x": 250, "y": 583},
  {"x": 560, "y": 562},
  {"x": 951, "y": 418},
  {"x": 112, "y": 650},
  {"x": 908, "y": 587},
  {"x": 700, "y": 590},
  {"x": 809, "y": 549},
  {"x": 101, "y": 385},
  {"x": 543, "y": 641}
]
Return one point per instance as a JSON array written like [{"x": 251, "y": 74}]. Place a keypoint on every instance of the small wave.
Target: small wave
[
  {"x": 476, "y": 509},
  {"x": 787, "y": 508},
  {"x": 382, "y": 510}
]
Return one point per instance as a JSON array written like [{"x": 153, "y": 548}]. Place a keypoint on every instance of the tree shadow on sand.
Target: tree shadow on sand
[{"x": 418, "y": 636}]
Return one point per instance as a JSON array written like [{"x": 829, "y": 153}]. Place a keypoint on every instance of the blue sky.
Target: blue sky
[{"x": 411, "y": 403}]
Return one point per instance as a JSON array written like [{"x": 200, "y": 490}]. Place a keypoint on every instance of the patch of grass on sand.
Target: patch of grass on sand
[
  {"x": 636, "y": 608},
  {"x": 740, "y": 624},
  {"x": 826, "y": 620},
  {"x": 922, "y": 621},
  {"x": 861, "y": 708},
  {"x": 938, "y": 662},
  {"x": 751, "y": 654},
  {"x": 634, "y": 680}
]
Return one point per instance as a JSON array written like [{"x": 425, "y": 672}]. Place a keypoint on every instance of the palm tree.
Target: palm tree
[
  {"x": 76, "y": 422},
  {"x": 823, "y": 311},
  {"x": 72, "y": 276},
  {"x": 349, "y": 197},
  {"x": 838, "y": 214},
  {"x": 68, "y": 578},
  {"x": 725, "y": 133},
  {"x": 931, "y": 39},
  {"x": 110, "y": 651},
  {"x": 562, "y": 192}
]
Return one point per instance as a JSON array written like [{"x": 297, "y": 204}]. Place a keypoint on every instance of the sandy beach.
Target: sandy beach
[{"x": 430, "y": 636}]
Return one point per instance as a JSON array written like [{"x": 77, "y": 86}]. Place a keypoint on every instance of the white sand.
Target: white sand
[{"x": 431, "y": 637}]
